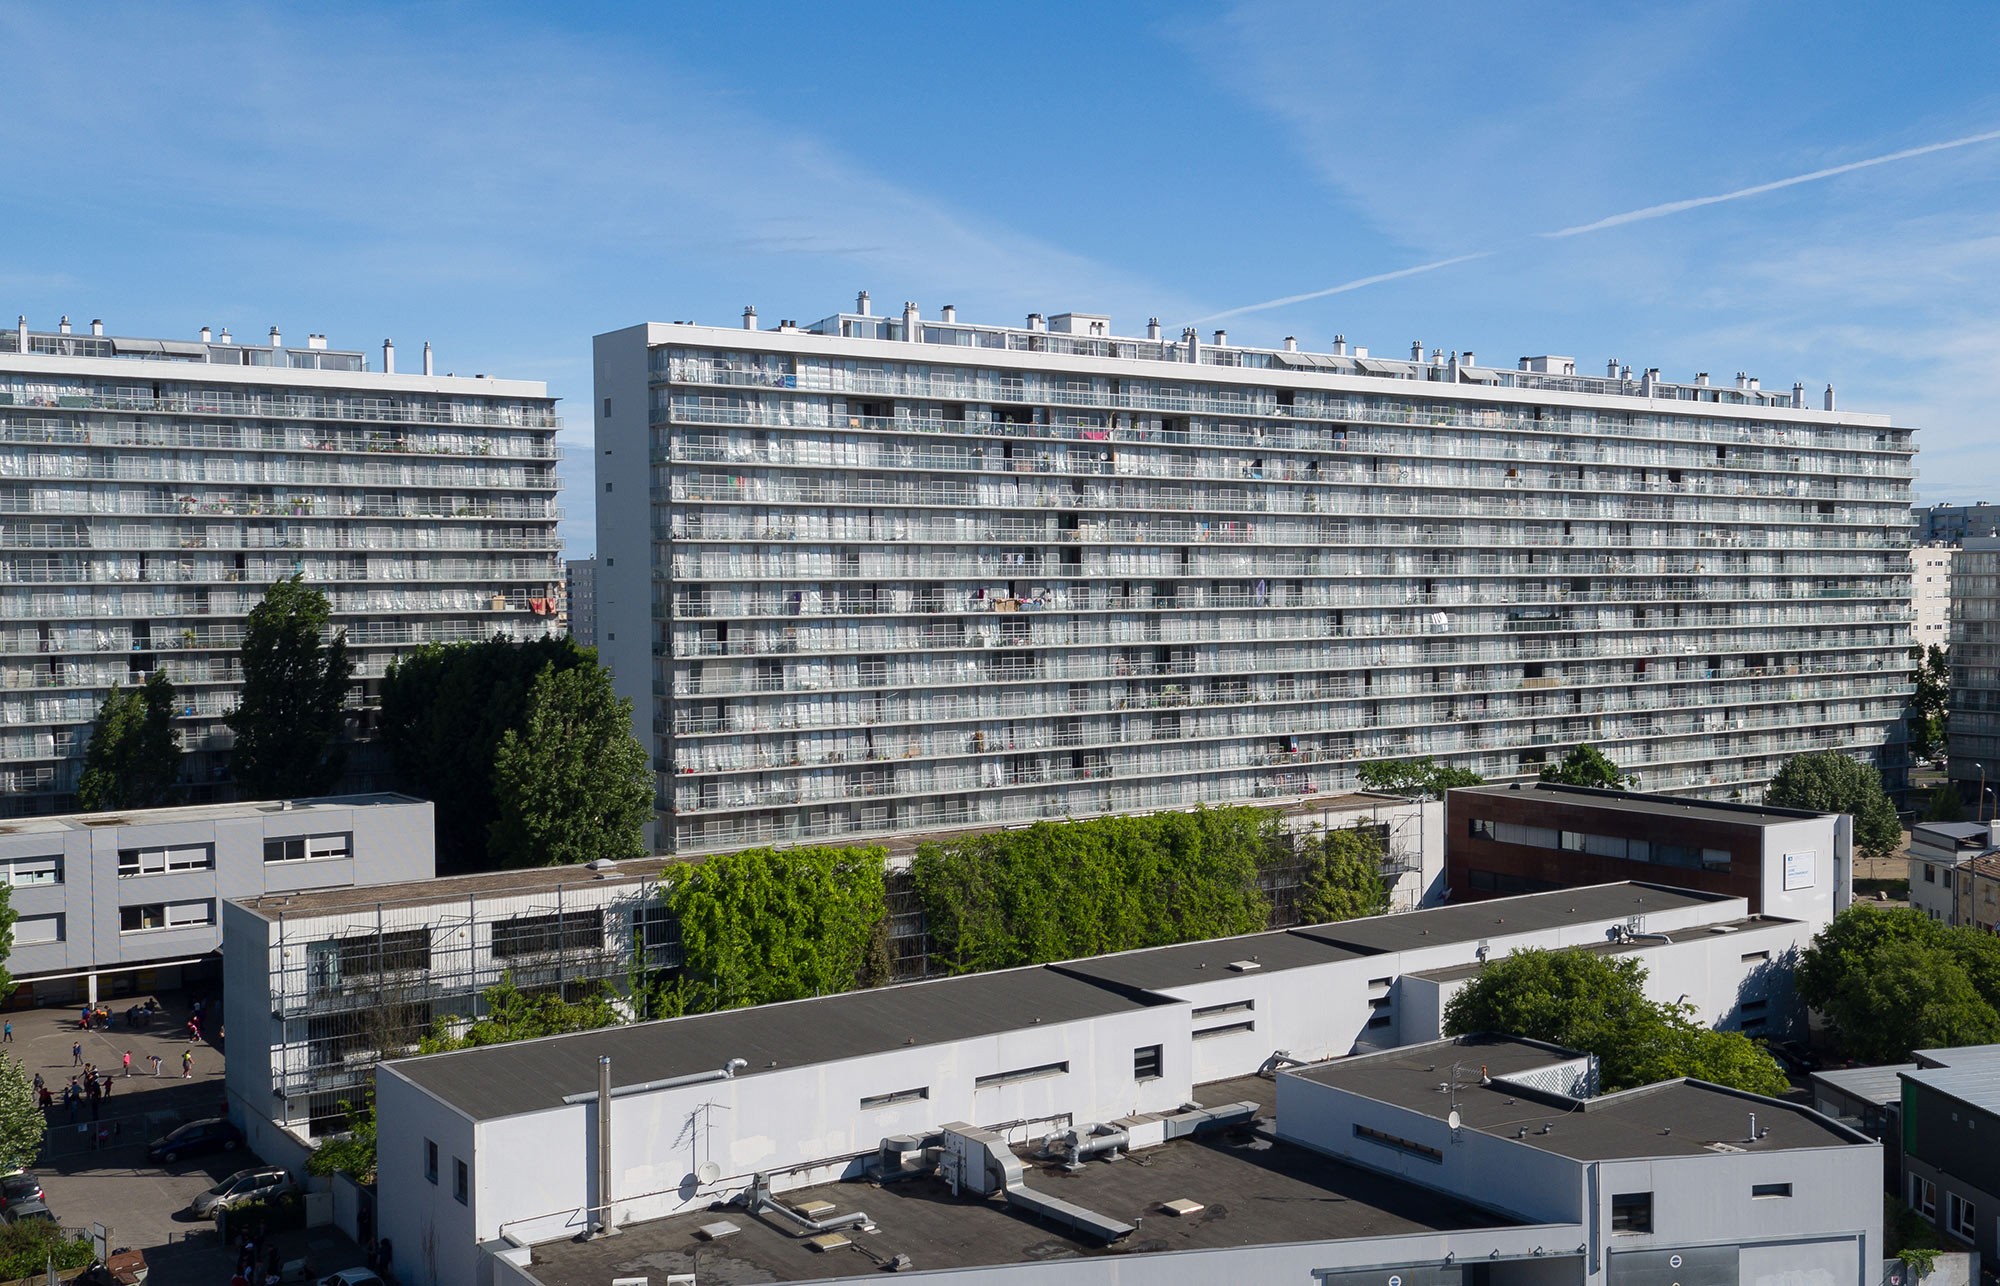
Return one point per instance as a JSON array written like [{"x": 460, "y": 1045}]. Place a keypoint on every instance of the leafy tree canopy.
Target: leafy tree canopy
[
  {"x": 21, "y": 1120},
  {"x": 1586, "y": 765},
  {"x": 134, "y": 756},
  {"x": 28, "y": 1247},
  {"x": 7, "y": 918},
  {"x": 1827, "y": 781},
  {"x": 1342, "y": 879},
  {"x": 1422, "y": 778},
  {"x": 765, "y": 925},
  {"x": 1930, "y": 702},
  {"x": 1890, "y": 980},
  {"x": 352, "y": 1153},
  {"x": 1943, "y": 804},
  {"x": 1598, "y": 1004},
  {"x": 513, "y": 1014},
  {"x": 444, "y": 710},
  {"x": 572, "y": 784},
  {"x": 288, "y": 723}
]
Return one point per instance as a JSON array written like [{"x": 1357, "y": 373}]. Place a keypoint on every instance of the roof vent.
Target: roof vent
[
  {"x": 1244, "y": 966},
  {"x": 1181, "y": 1207},
  {"x": 604, "y": 864},
  {"x": 97, "y": 325}
]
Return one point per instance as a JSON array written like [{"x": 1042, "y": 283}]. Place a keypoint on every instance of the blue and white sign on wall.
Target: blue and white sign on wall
[{"x": 1799, "y": 869}]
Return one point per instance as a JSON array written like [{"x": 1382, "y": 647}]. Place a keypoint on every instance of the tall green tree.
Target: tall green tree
[
  {"x": 764, "y": 925},
  {"x": 7, "y": 917},
  {"x": 1930, "y": 702},
  {"x": 444, "y": 710},
  {"x": 21, "y": 1121},
  {"x": 1597, "y": 1004},
  {"x": 1422, "y": 778},
  {"x": 134, "y": 756},
  {"x": 1586, "y": 765},
  {"x": 572, "y": 784},
  {"x": 1827, "y": 781},
  {"x": 1342, "y": 879},
  {"x": 288, "y": 724},
  {"x": 352, "y": 1152},
  {"x": 1889, "y": 980},
  {"x": 1943, "y": 804}
]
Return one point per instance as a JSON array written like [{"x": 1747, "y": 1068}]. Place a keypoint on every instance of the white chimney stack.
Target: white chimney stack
[
  {"x": 388, "y": 357},
  {"x": 427, "y": 357},
  {"x": 1611, "y": 369},
  {"x": 1221, "y": 339},
  {"x": 1034, "y": 321},
  {"x": 204, "y": 335},
  {"x": 1798, "y": 395},
  {"x": 277, "y": 340},
  {"x": 1340, "y": 345},
  {"x": 21, "y": 333},
  {"x": 225, "y": 336},
  {"x": 862, "y": 305},
  {"x": 1152, "y": 328},
  {"x": 97, "y": 325},
  {"x": 1192, "y": 339},
  {"x": 1466, "y": 360},
  {"x": 1829, "y": 397},
  {"x": 1416, "y": 350},
  {"x": 949, "y": 314},
  {"x": 63, "y": 328},
  {"x": 750, "y": 317},
  {"x": 1701, "y": 379},
  {"x": 913, "y": 330},
  {"x": 1291, "y": 343}
]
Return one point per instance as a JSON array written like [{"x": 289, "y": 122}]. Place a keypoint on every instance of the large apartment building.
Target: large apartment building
[
  {"x": 880, "y": 574},
  {"x": 151, "y": 490}
]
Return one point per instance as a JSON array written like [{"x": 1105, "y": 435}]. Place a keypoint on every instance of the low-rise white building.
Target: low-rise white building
[
  {"x": 784, "y": 1097},
  {"x": 126, "y": 903}
]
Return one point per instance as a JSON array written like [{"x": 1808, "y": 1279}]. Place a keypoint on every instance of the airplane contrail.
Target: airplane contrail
[
  {"x": 1675, "y": 207},
  {"x": 1615, "y": 221},
  {"x": 1343, "y": 288}
]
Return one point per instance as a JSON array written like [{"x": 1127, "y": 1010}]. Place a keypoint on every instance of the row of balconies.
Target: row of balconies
[
  {"x": 1583, "y": 425},
  {"x": 68, "y": 504},
  {"x": 295, "y": 406},
  {"x": 168, "y": 636},
  {"x": 188, "y": 569},
  {"x": 373, "y": 539},
  {"x": 129, "y": 435},
  {"x": 37, "y": 466}
]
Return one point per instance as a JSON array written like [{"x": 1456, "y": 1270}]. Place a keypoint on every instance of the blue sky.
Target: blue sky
[{"x": 507, "y": 180}]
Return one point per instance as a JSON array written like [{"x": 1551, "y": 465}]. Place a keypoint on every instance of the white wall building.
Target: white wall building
[
  {"x": 822, "y": 1081},
  {"x": 319, "y": 983},
  {"x": 151, "y": 490},
  {"x": 115, "y": 904},
  {"x": 878, "y": 575},
  {"x": 1930, "y": 594}
]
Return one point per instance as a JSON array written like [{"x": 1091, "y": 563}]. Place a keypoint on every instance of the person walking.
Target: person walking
[
  {"x": 187, "y": 1064},
  {"x": 107, "y": 1084},
  {"x": 38, "y": 1082},
  {"x": 128, "y": 1062},
  {"x": 76, "y": 1054},
  {"x": 7, "y": 1033}
]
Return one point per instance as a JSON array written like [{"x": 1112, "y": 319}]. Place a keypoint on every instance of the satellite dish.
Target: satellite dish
[
  {"x": 1453, "y": 1120},
  {"x": 709, "y": 1172}
]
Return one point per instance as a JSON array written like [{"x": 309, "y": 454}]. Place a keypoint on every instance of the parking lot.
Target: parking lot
[{"x": 97, "y": 1171}]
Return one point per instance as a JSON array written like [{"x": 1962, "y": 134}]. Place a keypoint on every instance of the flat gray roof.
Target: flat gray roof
[
  {"x": 1471, "y": 921},
  {"x": 1869, "y": 1084},
  {"x": 456, "y": 888},
  {"x": 198, "y": 813},
  {"x": 1673, "y": 1118},
  {"x": 1255, "y": 1190},
  {"x": 1750, "y": 926},
  {"x": 1972, "y": 1076},
  {"x": 533, "y": 1075},
  {"x": 1663, "y": 806},
  {"x": 1193, "y": 962}
]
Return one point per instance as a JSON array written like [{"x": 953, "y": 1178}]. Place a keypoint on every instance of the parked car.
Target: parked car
[
  {"x": 351, "y": 1277},
  {"x": 195, "y": 1138},
  {"x": 18, "y": 1187},
  {"x": 23, "y": 1211},
  {"x": 261, "y": 1183}
]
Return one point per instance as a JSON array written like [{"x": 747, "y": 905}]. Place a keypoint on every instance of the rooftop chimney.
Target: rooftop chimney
[
  {"x": 427, "y": 357},
  {"x": 97, "y": 325},
  {"x": 225, "y": 336},
  {"x": 1192, "y": 340},
  {"x": 913, "y": 327},
  {"x": 1701, "y": 379},
  {"x": 388, "y": 357},
  {"x": 605, "y": 1226},
  {"x": 1340, "y": 345},
  {"x": 1034, "y": 321},
  {"x": 1221, "y": 338},
  {"x": 750, "y": 317},
  {"x": 21, "y": 333},
  {"x": 1742, "y": 379},
  {"x": 1416, "y": 350},
  {"x": 1466, "y": 359},
  {"x": 949, "y": 314},
  {"x": 1829, "y": 397},
  {"x": 1798, "y": 395},
  {"x": 204, "y": 335},
  {"x": 316, "y": 341},
  {"x": 1152, "y": 328},
  {"x": 862, "y": 305},
  {"x": 277, "y": 340},
  {"x": 1291, "y": 343},
  {"x": 1611, "y": 369},
  {"x": 64, "y": 327}
]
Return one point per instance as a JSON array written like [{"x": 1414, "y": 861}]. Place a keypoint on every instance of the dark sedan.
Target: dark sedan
[{"x": 194, "y": 1139}]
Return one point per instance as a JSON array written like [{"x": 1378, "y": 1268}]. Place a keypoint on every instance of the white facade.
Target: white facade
[
  {"x": 152, "y": 490},
  {"x": 1930, "y": 595},
  {"x": 893, "y": 576},
  {"x": 805, "y": 1119},
  {"x": 116, "y": 903},
  {"x": 320, "y": 985}
]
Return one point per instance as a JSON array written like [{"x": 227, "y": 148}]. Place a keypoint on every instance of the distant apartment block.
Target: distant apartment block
[
  {"x": 580, "y": 590},
  {"x": 118, "y": 904},
  {"x": 152, "y": 489},
  {"x": 878, "y": 575},
  {"x": 1973, "y": 739},
  {"x": 1955, "y": 524},
  {"x": 1930, "y": 594}
]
